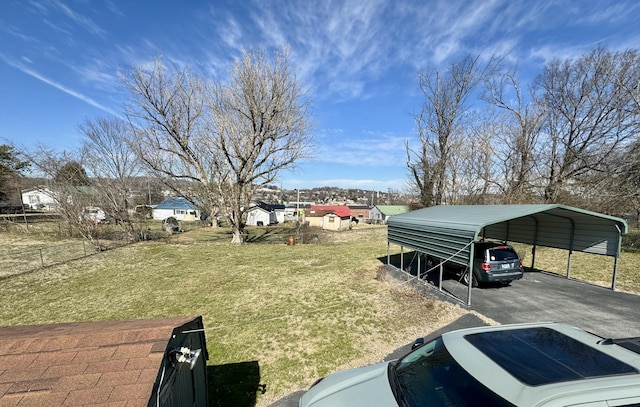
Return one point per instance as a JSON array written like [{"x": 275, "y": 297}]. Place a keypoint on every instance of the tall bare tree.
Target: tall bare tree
[
  {"x": 517, "y": 145},
  {"x": 112, "y": 163},
  {"x": 478, "y": 169},
  {"x": 439, "y": 123},
  {"x": 590, "y": 117},
  {"x": 168, "y": 112},
  {"x": 225, "y": 138},
  {"x": 261, "y": 119}
]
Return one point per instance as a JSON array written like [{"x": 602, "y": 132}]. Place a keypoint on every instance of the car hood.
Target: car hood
[{"x": 365, "y": 386}]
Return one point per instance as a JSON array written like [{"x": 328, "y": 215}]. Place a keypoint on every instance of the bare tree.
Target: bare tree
[
  {"x": 629, "y": 78},
  {"x": 590, "y": 116},
  {"x": 262, "y": 124},
  {"x": 167, "y": 110},
  {"x": 517, "y": 143},
  {"x": 439, "y": 123},
  {"x": 227, "y": 139},
  {"x": 76, "y": 198},
  {"x": 112, "y": 163},
  {"x": 477, "y": 164}
]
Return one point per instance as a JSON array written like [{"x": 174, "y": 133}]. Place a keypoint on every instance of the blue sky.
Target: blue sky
[{"x": 60, "y": 61}]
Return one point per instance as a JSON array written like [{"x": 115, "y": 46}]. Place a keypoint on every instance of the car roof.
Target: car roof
[{"x": 546, "y": 363}]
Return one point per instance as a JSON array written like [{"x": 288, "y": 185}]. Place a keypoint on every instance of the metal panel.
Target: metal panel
[
  {"x": 177, "y": 384},
  {"x": 437, "y": 241}
]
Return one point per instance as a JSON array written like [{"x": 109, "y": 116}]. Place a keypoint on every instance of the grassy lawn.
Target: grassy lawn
[{"x": 299, "y": 311}]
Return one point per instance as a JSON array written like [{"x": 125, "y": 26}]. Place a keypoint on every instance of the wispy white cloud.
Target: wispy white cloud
[
  {"x": 31, "y": 72},
  {"x": 81, "y": 20},
  {"x": 607, "y": 12},
  {"x": 335, "y": 44},
  {"x": 15, "y": 32}
]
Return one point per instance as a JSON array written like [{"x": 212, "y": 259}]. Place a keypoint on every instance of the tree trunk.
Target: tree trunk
[{"x": 238, "y": 238}]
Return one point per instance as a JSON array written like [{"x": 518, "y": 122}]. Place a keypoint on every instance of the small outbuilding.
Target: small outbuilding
[
  {"x": 360, "y": 212},
  {"x": 336, "y": 217},
  {"x": 381, "y": 213},
  {"x": 264, "y": 214},
  {"x": 447, "y": 232},
  {"x": 136, "y": 363}
]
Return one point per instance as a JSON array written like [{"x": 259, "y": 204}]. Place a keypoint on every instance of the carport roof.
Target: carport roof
[
  {"x": 476, "y": 217},
  {"x": 446, "y": 230}
]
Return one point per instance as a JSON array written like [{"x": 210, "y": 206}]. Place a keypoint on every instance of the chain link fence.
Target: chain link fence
[{"x": 25, "y": 261}]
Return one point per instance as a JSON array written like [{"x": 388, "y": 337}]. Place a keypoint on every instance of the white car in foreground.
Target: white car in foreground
[{"x": 541, "y": 364}]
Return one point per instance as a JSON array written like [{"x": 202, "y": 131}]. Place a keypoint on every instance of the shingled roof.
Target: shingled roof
[{"x": 106, "y": 363}]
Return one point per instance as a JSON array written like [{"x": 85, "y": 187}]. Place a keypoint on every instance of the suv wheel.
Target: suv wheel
[{"x": 465, "y": 279}]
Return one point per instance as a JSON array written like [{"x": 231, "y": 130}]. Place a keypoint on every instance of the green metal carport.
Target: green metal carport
[{"x": 447, "y": 232}]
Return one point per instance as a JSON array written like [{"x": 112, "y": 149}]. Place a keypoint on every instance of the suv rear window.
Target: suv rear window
[
  {"x": 496, "y": 253},
  {"x": 499, "y": 254},
  {"x": 537, "y": 356}
]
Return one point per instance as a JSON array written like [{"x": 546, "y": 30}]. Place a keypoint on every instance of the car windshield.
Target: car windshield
[{"x": 430, "y": 376}]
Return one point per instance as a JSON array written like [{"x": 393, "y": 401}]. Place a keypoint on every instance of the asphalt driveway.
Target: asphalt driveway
[{"x": 541, "y": 296}]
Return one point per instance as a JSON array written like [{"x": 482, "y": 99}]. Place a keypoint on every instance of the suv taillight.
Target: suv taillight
[
  {"x": 520, "y": 263},
  {"x": 486, "y": 267}
]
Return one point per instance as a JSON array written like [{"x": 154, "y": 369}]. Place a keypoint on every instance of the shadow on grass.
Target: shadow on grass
[{"x": 234, "y": 384}]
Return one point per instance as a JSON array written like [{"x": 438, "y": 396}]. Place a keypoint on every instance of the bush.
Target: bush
[{"x": 631, "y": 242}]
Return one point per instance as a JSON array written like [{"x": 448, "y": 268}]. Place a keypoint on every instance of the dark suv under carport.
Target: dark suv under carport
[{"x": 493, "y": 263}]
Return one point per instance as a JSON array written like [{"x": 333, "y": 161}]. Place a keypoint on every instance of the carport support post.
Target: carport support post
[
  {"x": 615, "y": 272},
  {"x": 573, "y": 232},
  {"x": 616, "y": 259},
  {"x": 388, "y": 253},
  {"x": 569, "y": 263},
  {"x": 419, "y": 255},
  {"x": 470, "y": 271}
]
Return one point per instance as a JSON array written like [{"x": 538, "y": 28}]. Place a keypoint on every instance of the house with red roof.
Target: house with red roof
[{"x": 334, "y": 217}]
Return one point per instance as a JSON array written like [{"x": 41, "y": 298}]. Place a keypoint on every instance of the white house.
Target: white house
[
  {"x": 178, "y": 207},
  {"x": 264, "y": 214},
  {"x": 39, "y": 199}
]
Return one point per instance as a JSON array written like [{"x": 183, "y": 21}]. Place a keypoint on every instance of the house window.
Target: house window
[
  {"x": 331, "y": 219},
  {"x": 34, "y": 199},
  {"x": 180, "y": 212}
]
